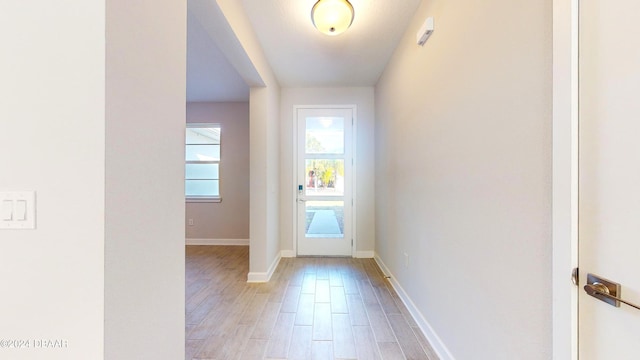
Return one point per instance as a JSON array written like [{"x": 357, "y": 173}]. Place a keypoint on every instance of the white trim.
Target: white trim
[
  {"x": 240, "y": 242},
  {"x": 261, "y": 277},
  {"x": 294, "y": 170},
  {"x": 203, "y": 124},
  {"x": 434, "y": 340},
  {"x": 354, "y": 140},
  {"x": 365, "y": 254},
  {"x": 565, "y": 178},
  {"x": 203, "y": 199},
  {"x": 354, "y": 175}
]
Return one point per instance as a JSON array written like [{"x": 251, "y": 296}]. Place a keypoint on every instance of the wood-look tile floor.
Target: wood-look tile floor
[{"x": 313, "y": 308}]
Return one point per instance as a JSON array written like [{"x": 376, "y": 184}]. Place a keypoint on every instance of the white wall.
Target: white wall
[
  {"x": 264, "y": 115},
  {"x": 52, "y": 141},
  {"x": 363, "y": 98},
  {"x": 463, "y": 164},
  {"x": 144, "y": 252},
  {"x": 265, "y": 176},
  {"x": 228, "y": 219},
  {"x": 104, "y": 270}
]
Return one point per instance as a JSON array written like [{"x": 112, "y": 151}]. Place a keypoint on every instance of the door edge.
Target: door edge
[{"x": 565, "y": 179}]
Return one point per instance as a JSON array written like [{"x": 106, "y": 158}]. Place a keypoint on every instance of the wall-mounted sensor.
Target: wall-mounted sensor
[{"x": 425, "y": 31}]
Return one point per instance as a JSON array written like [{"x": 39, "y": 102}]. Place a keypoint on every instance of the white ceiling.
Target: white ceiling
[
  {"x": 300, "y": 55},
  {"x": 210, "y": 77}
]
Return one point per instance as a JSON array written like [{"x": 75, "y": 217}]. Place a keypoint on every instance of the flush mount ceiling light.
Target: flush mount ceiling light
[{"x": 332, "y": 17}]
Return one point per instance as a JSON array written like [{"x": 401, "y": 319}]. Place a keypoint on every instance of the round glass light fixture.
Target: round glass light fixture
[{"x": 332, "y": 17}]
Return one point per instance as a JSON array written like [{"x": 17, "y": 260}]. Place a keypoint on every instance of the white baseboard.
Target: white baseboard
[
  {"x": 287, "y": 254},
  {"x": 358, "y": 254},
  {"x": 438, "y": 346},
  {"x": 260, "y": 277},
  {"x": 367, "y": 254},
  {"x": 242, "y": 242}
]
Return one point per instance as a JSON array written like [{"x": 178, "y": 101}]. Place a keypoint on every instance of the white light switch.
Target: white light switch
[
  {"x": 17, "y": 209},
  {"x": 7, "y": 210},
  {"x": 20, "y": 210}
]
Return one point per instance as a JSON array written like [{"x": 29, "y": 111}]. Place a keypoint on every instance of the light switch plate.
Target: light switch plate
[
  {"x": 6, "y": 210},
  {"x": 23, "y": 204}
]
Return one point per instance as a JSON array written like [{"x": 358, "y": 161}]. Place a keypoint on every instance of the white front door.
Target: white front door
[
  {"x": 609, "y": 180},
  {"x": 324, "y": 177}
]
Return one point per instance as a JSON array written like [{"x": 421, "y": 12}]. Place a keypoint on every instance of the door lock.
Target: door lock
[{"x": 575, "y": 276}]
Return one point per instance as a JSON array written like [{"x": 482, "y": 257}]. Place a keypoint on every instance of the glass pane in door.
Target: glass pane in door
[
  {"x": 324, "y": 135},
  {"x": 324, "y": 177},
  {"x": 324, "y": 219}
]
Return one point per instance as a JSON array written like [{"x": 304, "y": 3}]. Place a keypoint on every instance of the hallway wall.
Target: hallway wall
[
  {"x": 238, "y": 41},
  {"x": 92, "y": 119},
  {"x": 463, "y": 173},
  {"x": 144, "y": 180},
  {"x": 52, "y": 141}
]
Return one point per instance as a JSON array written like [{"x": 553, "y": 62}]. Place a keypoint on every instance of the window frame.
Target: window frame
[{"x": 204, "y": 198}]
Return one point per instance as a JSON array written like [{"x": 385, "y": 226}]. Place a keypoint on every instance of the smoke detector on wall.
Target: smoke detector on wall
[{"x": 425, "y": 31}]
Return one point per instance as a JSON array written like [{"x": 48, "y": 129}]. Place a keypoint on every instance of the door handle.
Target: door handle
[
  {"x": 302, "y": 200},
  {"x": 605, "y": 290}
]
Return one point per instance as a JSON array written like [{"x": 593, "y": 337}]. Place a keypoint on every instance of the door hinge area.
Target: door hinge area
[{"x": 575, "y": 276}]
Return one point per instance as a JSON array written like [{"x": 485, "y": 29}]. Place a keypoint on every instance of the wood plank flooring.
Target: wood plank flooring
[{"x": 313, "y": 308}]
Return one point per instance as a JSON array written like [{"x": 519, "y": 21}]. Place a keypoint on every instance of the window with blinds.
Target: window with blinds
[{"x": 202, "y": 165}]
